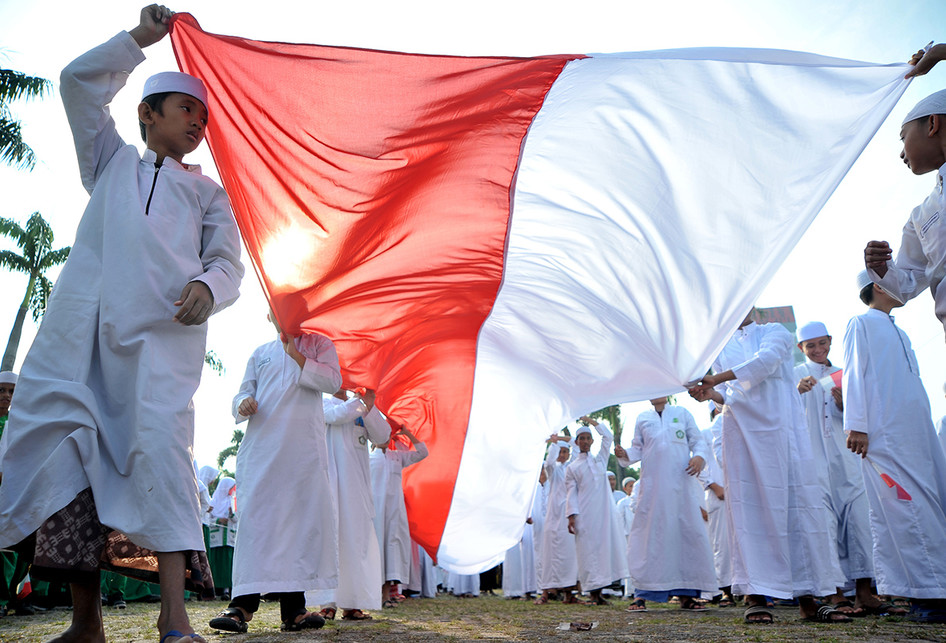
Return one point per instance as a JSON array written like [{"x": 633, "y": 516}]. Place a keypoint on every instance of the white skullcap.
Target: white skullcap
[
  {"x": 626, "y": 480},
  {"x": 810, "y": 331},
  {"x": 611, "y": 474},
  {"x": 175, "y": 81},
  {"x": 7, "y": 377},
  {"x": 582, "y": 429},
  {"x": 863, "y": 280},
  {"x": 932, "y": 104}
]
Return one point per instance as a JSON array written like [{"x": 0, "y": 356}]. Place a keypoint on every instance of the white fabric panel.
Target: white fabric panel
[{"x": 657, "y": 194}]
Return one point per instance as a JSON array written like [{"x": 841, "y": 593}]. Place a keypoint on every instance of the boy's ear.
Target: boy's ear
[
  {"x": 145, "y": 113},
  {"x": 935, "y": 125}
]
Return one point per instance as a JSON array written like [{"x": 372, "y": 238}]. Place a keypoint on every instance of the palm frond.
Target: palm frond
[
  {"x": 12, "y": 229},
  {"x": 12, "y": 261},
  {"x": 16, "y": 84},
  {"x": 13, "y": 151},
  {"x": 54, "y": 258}
]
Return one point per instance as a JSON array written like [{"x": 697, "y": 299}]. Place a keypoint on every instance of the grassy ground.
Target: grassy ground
[{"x": 494, "y": 619}]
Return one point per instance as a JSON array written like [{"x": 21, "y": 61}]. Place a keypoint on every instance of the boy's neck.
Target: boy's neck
[{"x": 883, "y": 307}]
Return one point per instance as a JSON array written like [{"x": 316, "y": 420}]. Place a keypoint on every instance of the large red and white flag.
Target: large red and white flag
[{"x": 499, "y": 245}]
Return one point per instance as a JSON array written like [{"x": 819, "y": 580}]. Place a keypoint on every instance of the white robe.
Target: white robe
[
  {"x": 780, "y": 536},
  {"x": 222, "y": 527},
  {"x": 840, "y": 470},
  {"x": 626, "y": 513},
  {"x": 599, "y": 540},
  {"x": 423, "y": 578},
  {"x": 519, "y": 567},
  {"x": 884, "y": 398},
  {"x": 941, "y": 432},
  {"x": 287, "y": 542},
  {"x": 359, "y": 556},
  {"x": 104, "y": 395},
  {"x": 717, "y": 521},
  {"x": 540, "y": 503},
  {"x": 390, "y": 520},
  {"x": 559, "y": 557},
  {"x": 921, "y": 259},
  {"x": 669, "y": 544}
]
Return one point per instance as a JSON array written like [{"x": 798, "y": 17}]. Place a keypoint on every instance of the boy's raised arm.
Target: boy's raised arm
[{"x": 154, "y": 25}]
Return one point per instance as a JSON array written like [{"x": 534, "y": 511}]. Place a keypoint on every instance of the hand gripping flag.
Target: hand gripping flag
[{"x": 500, "y": 245}]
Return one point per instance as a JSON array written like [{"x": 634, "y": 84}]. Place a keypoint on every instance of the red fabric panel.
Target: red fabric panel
[{"x": 372, "y": 190}]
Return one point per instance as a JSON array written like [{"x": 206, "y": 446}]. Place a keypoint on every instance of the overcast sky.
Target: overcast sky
[{"x": 873, "y": 202}]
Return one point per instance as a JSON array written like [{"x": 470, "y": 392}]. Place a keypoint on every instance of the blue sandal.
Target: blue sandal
[{"x": 180, "y": 635}]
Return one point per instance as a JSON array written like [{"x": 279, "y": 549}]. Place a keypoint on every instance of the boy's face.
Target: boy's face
[
  {"x": 178, "y": 128},
  {"x": 629, "y": 487},
  {"x": 6, "y": 395},
  {"x": 816, "y": 349},
  {"x": 584, "y": 442},
  {"x": 562, "y": 455},
  {"x": 921, "y": 150}
]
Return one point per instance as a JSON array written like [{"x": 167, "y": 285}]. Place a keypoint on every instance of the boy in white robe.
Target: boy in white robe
[
  {"x": 670, "y": 545},
  {"x": 887, "y": 417},
  {"x": 839, "y": 472},
  {"x": 599, "y": 540},
  {"x": 921, "y": 259},
  {"x": 625, "y": 508},
  {"x": 104, "y": 421},
  {"x": 780, "y": 539},
  {"x": 281, "y": 548},
  {"x": 352, "y": 423},
  {"x": 394, "y": 536},
  {"x": 717, "y": 520},
  {"x": 559, "y": 559}
]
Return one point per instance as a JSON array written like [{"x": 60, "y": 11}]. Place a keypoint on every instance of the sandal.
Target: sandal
[
  {"x": 827, "y": 614},
  {"x": 310, "y": 621},
  {"x": 884, "y": 609},
  {"x": 195, "y": 638},
  {"x": 230, "y": 620},
  {"x": 848, "y": 608},
  {"x": 637, "y": 606},
  {"x": 355, "y": 615},
  {"x": 328, "y": 613},
  {"x": 541, "y": 600},
  {"x": 388, "y": 604},
  {"x": 758, "y": 615},
  {"x": 726, "y": 602},
  {"x": 692, "y": 605}
]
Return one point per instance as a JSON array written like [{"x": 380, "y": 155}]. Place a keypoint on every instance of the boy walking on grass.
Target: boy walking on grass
[{"x": 98, "y": 466}]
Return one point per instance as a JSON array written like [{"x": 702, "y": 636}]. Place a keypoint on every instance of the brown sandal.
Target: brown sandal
[
  {"x": 355, "y": 615},
  {"x": 328, "y": 613}
]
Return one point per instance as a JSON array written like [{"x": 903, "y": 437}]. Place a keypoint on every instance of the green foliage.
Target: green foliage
[
  {"x": 35, "y": 257},
  {"x": 215, "y": 363},
  {"x": 15, "y": 85},
  {"x": 229, "y": 452}
]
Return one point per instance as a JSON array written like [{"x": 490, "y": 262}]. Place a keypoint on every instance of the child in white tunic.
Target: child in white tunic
[
  {"x": 280, "y": 548},
  {"x": 599, "y": 539},
  {"x": 104, "y": 421},
  {"x": 670, "y": 544},
  {"x": 887, "y": 417}
]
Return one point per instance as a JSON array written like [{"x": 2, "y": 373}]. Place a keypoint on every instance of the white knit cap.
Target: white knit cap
[
  {"x": 932, "y": 104},
  {"x": 582, "y": 429},
  {"x": 810, "y": 331},
  {"x": 7, "y": 377},
  {"x": 175, "y": 81}
]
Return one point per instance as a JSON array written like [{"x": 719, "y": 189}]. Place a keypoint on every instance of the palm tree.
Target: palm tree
[
  {"x": 14, "y": 85},
  {"x": 35, "y": 242}
]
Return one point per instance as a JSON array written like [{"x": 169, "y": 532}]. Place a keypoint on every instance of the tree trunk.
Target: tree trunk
[{"x": 9, "y": 355}]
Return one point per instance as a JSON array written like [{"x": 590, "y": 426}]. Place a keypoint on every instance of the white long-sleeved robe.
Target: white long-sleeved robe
[
  {"x": 519, "y": 567},
  {"x": 104, "y": 395},
  {"x": 599, "y": 539},
  {"x": 625, "y": 509},
  {"x": 717, "y": 521},
  {"x": 781, "y": 540},
  {"x": 286, "y": 542},
  {"x": 921, "y": 259},
  {"x": 558, "y": 567},
  {"x": 540, "y": 503},
  {"x": 390, "y": 520},
  {"x": 359, "y": 556},
  {"x": 840, "y": 472},
  {"x": 884, "y": 398},
  {"x": 668, "y": 545}
]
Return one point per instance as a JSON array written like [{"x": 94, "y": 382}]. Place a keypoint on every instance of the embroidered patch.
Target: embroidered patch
[
  {"x": 680, "y": 433},
  {"x": 929, "y": 222},
  {"x": 362, "y": 440},
  {"x": 264, "y": 362}
]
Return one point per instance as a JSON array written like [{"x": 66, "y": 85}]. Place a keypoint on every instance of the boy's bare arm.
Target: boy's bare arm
[{"x": 154, "y": 25}]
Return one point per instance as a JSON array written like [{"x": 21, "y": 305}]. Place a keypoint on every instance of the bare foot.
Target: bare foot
[{"x": 80, "y": 635}]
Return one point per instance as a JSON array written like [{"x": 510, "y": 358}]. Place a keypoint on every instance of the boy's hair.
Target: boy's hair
[
  {"x": 155, "y": 102},
  {"x": 867, "y": 294}
]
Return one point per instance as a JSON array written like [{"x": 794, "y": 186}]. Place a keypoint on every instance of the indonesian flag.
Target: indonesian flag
[{"x": 499, "y": 245}]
